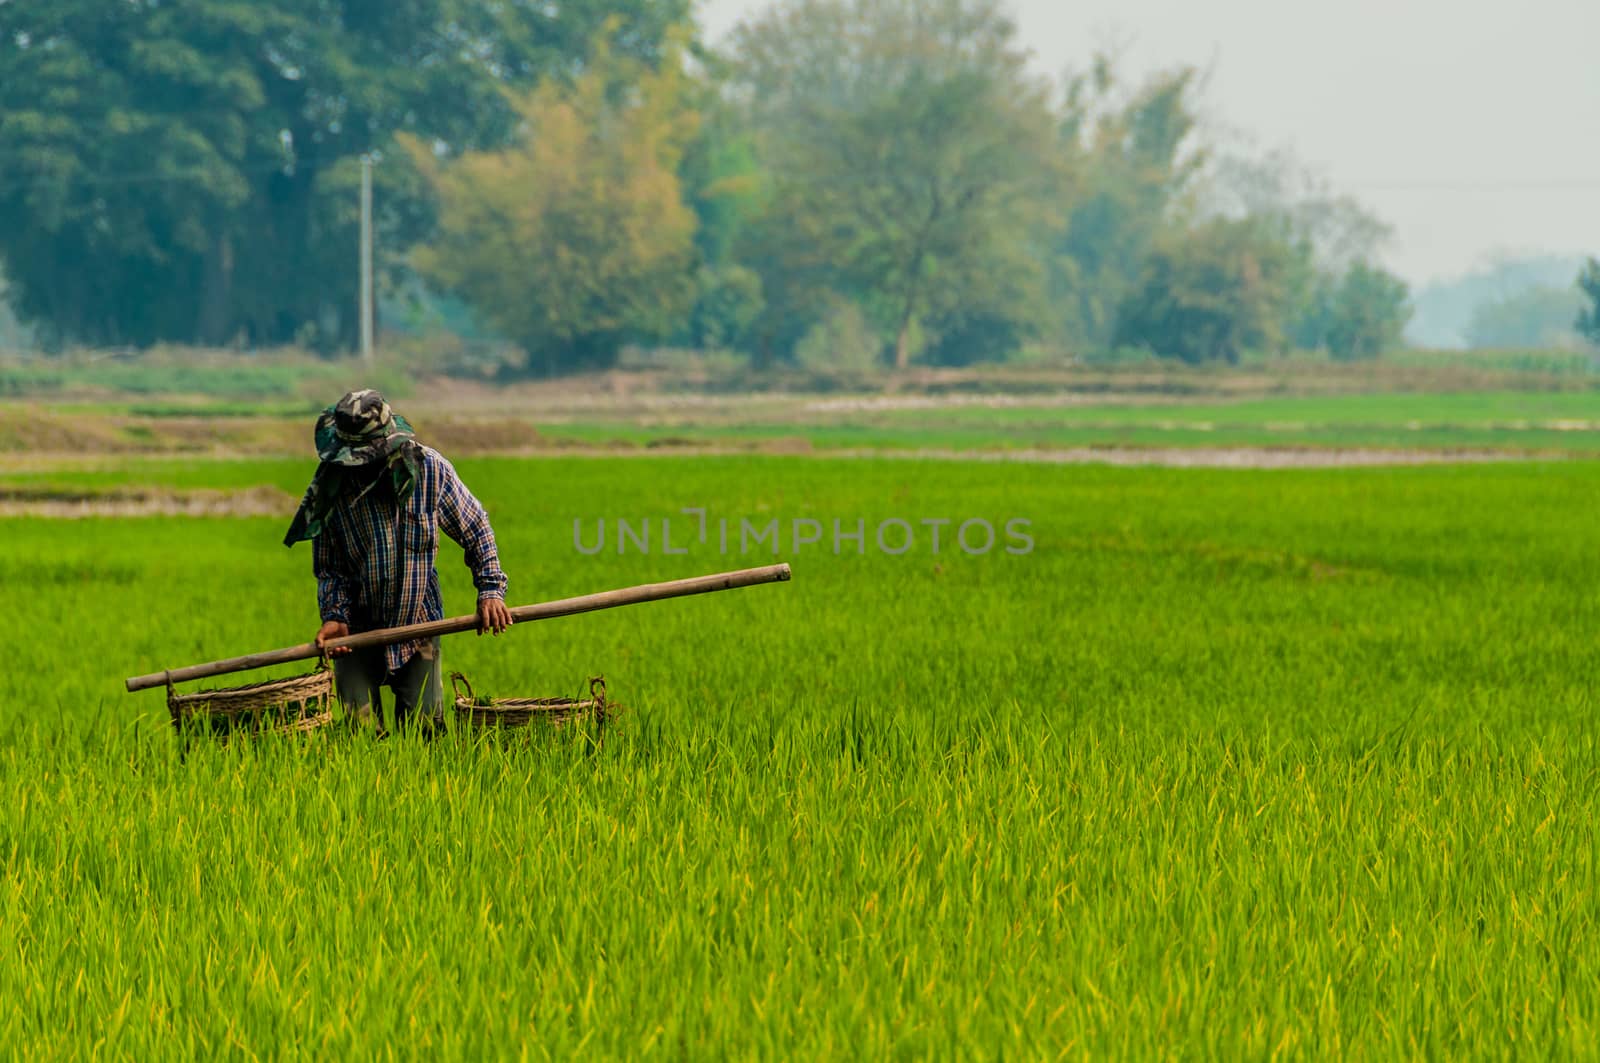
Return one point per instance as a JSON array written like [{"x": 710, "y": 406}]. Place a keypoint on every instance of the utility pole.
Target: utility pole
[{"x": 366, "y": 258}]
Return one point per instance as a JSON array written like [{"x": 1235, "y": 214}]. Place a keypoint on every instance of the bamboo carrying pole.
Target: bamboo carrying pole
[{"x": 587, "y": 603}]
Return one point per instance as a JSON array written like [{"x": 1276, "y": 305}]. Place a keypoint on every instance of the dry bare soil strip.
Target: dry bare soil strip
[{"x": 22, "y": 500}]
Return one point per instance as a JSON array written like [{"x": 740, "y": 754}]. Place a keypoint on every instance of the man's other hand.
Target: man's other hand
[
  {"x": 493, "y": 616},
  {"x": 333, "y": 629}
]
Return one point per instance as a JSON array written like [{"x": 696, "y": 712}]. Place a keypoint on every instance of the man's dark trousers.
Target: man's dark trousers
[{"x": 417, "y": 686}]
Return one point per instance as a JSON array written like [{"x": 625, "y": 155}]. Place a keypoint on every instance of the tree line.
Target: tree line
[{"x": 846, "y": 182}]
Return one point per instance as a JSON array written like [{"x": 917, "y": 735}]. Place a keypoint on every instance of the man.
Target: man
[{"x": 373, "y": 514}]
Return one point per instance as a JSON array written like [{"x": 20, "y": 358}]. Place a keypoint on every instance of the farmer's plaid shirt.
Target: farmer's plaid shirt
[{"x": 374, "y": 560}]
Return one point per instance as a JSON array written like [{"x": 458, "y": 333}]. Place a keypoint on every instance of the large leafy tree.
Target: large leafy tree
[
  {"x": 1341, "y": 302},
  {"x": 723, "y": 185},
  {"x": 910, "y": 155},
  {"x": 187, "y": 170},
  {"x": 1136, "y": 158},
  {"x": 576, "y": 238},
  {"x": 1367, "y": 313},
  {"x": 1211, "y": 293}
]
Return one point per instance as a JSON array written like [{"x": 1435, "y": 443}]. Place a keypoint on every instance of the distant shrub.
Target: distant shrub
[
  {"x": 843, "y": 339},
  {"x": 1367, "y": 313}
]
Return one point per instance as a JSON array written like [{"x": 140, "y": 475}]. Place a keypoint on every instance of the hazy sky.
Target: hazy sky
[{"x": 1472, "y": 126}]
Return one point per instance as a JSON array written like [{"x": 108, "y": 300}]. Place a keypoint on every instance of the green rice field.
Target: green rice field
[
  {"x": 1127, "y": 411},
  {"x": 1232, "y": 764},
  {"x": 1552, "y": 422}
]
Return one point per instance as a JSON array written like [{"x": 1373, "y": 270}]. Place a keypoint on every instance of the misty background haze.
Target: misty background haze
[{"x": 1469, "y": 127}]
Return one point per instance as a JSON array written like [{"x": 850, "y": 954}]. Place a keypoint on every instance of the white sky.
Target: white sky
[{"x": 1471, "y": 126}]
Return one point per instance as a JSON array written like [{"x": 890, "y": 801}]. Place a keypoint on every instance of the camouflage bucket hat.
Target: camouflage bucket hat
[{"x": 360, "y": 429}]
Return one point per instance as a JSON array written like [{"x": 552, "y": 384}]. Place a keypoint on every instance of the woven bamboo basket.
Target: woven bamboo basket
[
  {"x": 295, "y": 705},
  {"x": 481, "y": 712}
]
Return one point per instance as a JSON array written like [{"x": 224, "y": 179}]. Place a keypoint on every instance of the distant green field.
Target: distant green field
[
  {"x": 220, "y": 403},
  {"x": 1514, "y": 421},
  {"x": 1510, "y": 410},
  {"x": 1231, "y": 764}
]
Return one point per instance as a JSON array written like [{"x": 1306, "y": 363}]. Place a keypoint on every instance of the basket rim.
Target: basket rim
[
  {"x": 319, "y": 679},
  {"x": 470, "y": 702},
  {"x": 503, "y": 704}
]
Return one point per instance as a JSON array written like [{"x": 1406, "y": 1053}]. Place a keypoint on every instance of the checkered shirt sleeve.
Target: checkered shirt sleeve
[{"x": 463, "y": 518}]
